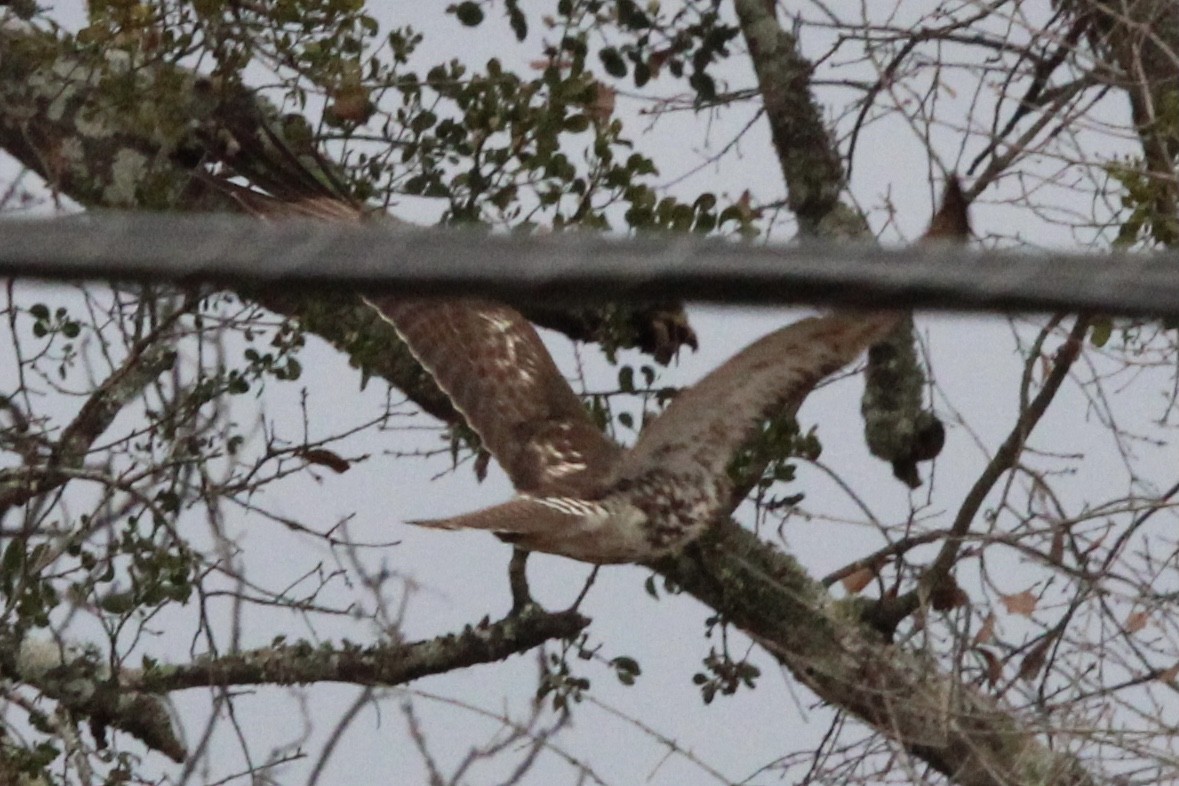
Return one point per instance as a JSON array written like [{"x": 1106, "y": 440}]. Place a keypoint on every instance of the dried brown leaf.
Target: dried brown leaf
[
  {"x": 1023, "y": 603},
  {"x": 858, "y": 579},
  {"x": 602, "y": 107},
  {"x": 1056, "y": 551},
  {"x": 482, "y": 460},
  {"x": 994, "y": 665},
  {"x": 948, "y": 595},
  {"x": 1034, "y": 660},
  {"x": 987, "y": 631},
  {"x": 325, "y": 458},
  {"x": 1136, "y": 621}
]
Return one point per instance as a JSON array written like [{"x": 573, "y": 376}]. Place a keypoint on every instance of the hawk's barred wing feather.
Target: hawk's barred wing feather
[
  {"x": 492, "y": 364},
  {"x": 707, "y": 423}
]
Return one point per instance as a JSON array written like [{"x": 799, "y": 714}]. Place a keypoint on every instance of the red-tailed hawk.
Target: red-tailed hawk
[{"x": 579, "y": 494}]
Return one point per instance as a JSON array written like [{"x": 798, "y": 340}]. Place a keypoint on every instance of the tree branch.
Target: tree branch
[
  {"x": 1139, "y": 42},
  {"x": 81, "y": 681},
  {"x": 1008, "y": 453},
  {"x": 148, "y": 357},
  {"x": 810, "y": 162},
  {"x": 380, "y": 664},
  {"x": 960, "y": 732}
]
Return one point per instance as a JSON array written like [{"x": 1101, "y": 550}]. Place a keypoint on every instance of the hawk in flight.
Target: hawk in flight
[{"x": 578, "y": 493}]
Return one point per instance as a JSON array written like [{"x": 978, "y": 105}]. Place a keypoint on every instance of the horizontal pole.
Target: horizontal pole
[{"x": 576, "y": 267}]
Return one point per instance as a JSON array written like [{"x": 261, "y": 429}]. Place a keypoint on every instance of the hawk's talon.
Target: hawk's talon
[{"x": 518, "y": 581}]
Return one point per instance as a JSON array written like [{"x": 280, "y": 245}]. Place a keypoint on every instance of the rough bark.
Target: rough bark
[
  {"x": 897, "y": 429},
  {"x": 956, "y": 730},
  {"x": 82, "y": 682},
  {"x": 381, "y": 664},
  {"x": 1138, "y": 41}
]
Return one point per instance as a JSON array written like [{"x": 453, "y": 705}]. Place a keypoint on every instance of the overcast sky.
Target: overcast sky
[{"x": 454, "y": 579}]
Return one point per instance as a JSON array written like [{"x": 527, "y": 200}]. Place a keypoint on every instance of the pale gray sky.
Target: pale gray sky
[{"x": 457, "y": 578}]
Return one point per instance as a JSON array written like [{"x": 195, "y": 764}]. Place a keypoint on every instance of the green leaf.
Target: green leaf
[
  {"x": 626, "y": 664},
  {"x": 576, "y": 123},
  {"x": 1100, "y": 332},
  {"x": 705, "y": 201},
  {"x": 704, "y": 85},
  {"x": 613, "y": 63},
  {"x": 14, "y": 557},
  {"x": 117, "y": 602},
  {"x": 469, "y": 13},
  {"x": 626, "y": 379},
  {"x": 423, "y": 122},
  {"x": 517, "y": 20}
]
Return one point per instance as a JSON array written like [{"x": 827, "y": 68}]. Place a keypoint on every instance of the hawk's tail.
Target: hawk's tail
[{"x": 519, "y": 516}]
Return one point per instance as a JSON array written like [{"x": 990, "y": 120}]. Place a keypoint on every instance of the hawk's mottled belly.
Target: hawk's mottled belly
[
  {"x": 634, "y": 521},
  {"x": 677, "y": 507}
]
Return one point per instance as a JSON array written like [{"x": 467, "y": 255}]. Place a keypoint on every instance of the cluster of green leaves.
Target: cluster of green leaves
[
  {"x": 159, "y": 567},
  {"x": 26, "y": 588},
  {"x": 564, "y": 686},
  {"x": 770, "y": 454},
  {"x": 279, "y": 362},
  {"x": 59, "y": 331},
  {"x": 722, "y": 674},
  {"x": 32, "y": 760},
  {"x": 650, "y": 40},
  {"x": 569, "y": 98},
  {"x": 558, "y": 679},
  {"x": 46, "y": 324},
  {"x": 1148, "y": 201},
  {"x": 627, "y": 386},
  {"x": 494, "y": 145}
]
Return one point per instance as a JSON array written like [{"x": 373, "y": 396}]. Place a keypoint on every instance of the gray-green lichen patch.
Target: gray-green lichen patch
[{"x": 127, "y": 172}]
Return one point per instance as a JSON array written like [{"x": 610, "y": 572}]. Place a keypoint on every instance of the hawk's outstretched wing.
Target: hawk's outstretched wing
[
  {"x": 491, "y": 363},
  {"x": 706, "y": 424}
]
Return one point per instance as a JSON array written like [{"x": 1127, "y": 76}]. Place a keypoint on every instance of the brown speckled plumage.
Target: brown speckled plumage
[{"x": 578, "y": 493}]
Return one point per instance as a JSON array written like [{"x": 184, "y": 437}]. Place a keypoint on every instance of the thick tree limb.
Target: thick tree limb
[
  {"x": 896, "y": 427},
  {"x": 81, "y": 681},
  {"x": 382, "y": 664},
  {"x": 957, "y": 730},
  {"x": 811, "y": 165}
]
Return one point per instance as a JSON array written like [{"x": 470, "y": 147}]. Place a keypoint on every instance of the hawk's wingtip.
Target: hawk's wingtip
[
  {"x": 952, "y": 219},
  {"x": 433, "y": 523}
]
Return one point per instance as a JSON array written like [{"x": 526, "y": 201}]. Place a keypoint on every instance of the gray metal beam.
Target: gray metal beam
[{"x": 576, "y": 267}]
